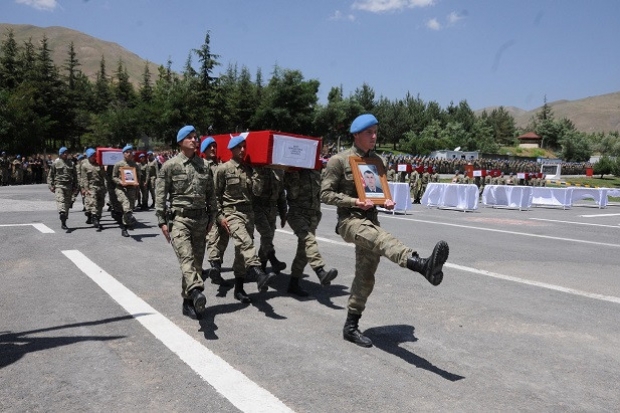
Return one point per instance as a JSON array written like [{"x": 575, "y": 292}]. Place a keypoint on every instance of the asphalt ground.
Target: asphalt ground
[{"x": 526, "y": 319}]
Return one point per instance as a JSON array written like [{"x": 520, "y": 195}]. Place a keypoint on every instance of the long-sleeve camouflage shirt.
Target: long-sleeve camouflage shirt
[
  {"x": 303, "y": 189},
  {"x": 338, "y": 186},
  {"x": 187, "y": 183},
  {"x": 268, "y": 189},
  {"x": 233, "y": 186},
  {"x": 62, "y": 174},
  {"x": 92, "y": 176}
]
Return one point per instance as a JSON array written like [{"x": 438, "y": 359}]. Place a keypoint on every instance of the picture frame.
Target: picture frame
[
  {"x": 129, "y": 175},
  {"x": 370, "y": 180}
]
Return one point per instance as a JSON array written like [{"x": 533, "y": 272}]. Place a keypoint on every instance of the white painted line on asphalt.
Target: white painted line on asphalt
[
  {"x": 41, "y": 227},
  {"x": 599, "y": 215},
  {"x": 576, "y": 223},
  {"x": 242, "y": 392},
  {"x": 331, "y": 241},
  {"x": 611, "y": 299}
]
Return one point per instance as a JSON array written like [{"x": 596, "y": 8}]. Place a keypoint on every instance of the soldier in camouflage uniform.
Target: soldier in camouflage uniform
[
  {"x": 4, "y": 169},
  {"x": 126, "y": 193},
  {"x": 144, "y": 190},
  {"x": 391, "y": 173},
  {"x": 233, "y": 189},
  {"x": 268, "y": 202},
  {"x": 151, "y": 176},
  {"x": 92, "y": 177},
  {"x": 187, "y": 183},
  {"x": 414, "y": 177},
  {"x": 358, "y": 224},
  {"x": 78, "y": 169},
  {"x": 62, "y": 181},
  {"x": 217, "y": 238},
  {"x": 303, "y": 190},
  {"x": 18, "y": 172}
]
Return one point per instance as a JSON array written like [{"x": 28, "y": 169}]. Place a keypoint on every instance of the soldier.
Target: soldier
[
  {"x": 126, "y": 191},
  {"x": 426, "y": 177},
  {"x": 78, "y": 170},
  {"x": 217, "y": 238},
  {"x": 18, "y": 172},
  {"x": 187, "y": 183},
  {"x": 233, "y": 189},
  {"x": 435, "y": 175},
  {"x": 358, "y": 224},
  {"x": 151, "y": 176},
  {"x": 268, "y": 202},
  {"x": 62, "y": 181},
  {"x": 456, "y": 179},
  {"x": 303, "y": 190},
  {"x": 414, "y": 177},
  {"x": 391, "y": 173},
  {"x": 4, "y": 169},
  {"x": 144, "y": 194},
  {"x": 93, "y": 187}
]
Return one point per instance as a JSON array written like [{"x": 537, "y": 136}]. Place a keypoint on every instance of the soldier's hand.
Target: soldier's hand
[
  {"x": 53, "y": 189},
  {"x": 164, "y": 230},
  {"x": 363, "y": 204},
  {"x": 389, "y": 204},
  {"x": 224, "y": 225}
]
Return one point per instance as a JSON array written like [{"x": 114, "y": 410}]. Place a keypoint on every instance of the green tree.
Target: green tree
[
  {"x": 575, "y": 147},
  {"x": 604, "y": 166}
]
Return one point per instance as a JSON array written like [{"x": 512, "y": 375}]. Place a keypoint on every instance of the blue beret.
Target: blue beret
[
  {"x": 127, "y": 148},
  {"x": 80, "y": 157},
  {"x": 62, "y": 150},
  {"x": 19, "y": 156},
  {"x": 205, "y": 144},
  {"x": 141, "y": 155},
  {"x": 184, "y": 131},
  {"x": 90, "y": 152},
  {"x": 149, "y": 153},
  {"x": 363, "y": 122},
  {"x": 235, "y": 141}
]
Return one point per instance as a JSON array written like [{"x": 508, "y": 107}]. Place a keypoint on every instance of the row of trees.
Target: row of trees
[{"x": 43, "y": 107}]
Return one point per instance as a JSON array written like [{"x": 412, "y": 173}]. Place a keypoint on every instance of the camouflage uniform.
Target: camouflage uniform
[
  {"x": 151, "y": 178},
  {"x": 414, "y": 177},
  {"x": 360, "y": 227},
  {"x": 18, "y": 172},
  {"x": 4, "y": 170},
  {"x": 92, "y": 182},
  {"x": 218, "y": 236},
  {"x": 62, "y": 179},
  {"x": 233, "y": 189},
  {"x": 268, "y": 202},
  {"x": 391, "y": 175},
  {"x": 188, "y": 185},
  {"x": 144, "y": 190},
  {"x": 303, "y": 189},
  {"x": 126, "y": 195}
]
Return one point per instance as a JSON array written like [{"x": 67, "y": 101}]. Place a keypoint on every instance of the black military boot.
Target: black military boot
[
  {"x": 240, "y": 293},
  {"x": 294, "y": 288},
  {"x": 351, "y": 332},
  {"x": 215, "y": 274},
  {"x": 199, "y": 301},
  {"x": 263, "y": 265},
  {"x": 276, "y": 265},
  {"x": 124, "y": 232},
  {"x": 63, "y": 220},
  {"x": 431, "y": 267},
  {"x": 95, "y": 221},
  {"x": 262, "y": 278},
  {"x": 188, "y": 309},
  {"x": 89, "y": 218},
  {"x": 326, "y": 277}
]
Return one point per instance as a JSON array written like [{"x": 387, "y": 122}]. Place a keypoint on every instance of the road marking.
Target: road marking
[
  {"x": 41, "y": 227},
  {"x": 576, "y": 223},
  {"x": 331, "y": 241},
  {"x": 611, "y": 299},
  {"x": 599, "y": 215},
  {"x": 242, "y": 392}
]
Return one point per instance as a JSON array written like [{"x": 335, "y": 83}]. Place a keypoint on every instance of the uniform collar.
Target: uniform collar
[{"x": 360, "y": 152}]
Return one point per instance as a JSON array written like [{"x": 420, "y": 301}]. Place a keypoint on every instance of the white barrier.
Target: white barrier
[
  {"x": 507, "y": 196},
  {"x": 451, "y": 196},
  {"x": 400, "y": 196}
]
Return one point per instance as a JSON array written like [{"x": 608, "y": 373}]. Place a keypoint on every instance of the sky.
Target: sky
[{"x": 487, "y": 52}]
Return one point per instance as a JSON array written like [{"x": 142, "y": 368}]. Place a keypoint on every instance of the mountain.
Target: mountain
[
  {"x": 592, "y": 114},
  {"x": 88, "y": 49}
]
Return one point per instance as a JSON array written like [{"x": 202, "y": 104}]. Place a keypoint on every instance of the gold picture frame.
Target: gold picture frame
[
  {"x": 129, "y": 175},
  {"x": 370, "y": 179}
]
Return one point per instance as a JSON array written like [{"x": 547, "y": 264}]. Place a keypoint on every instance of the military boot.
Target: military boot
[
  {"x": 188, "y": 309},
  {"x": 89, "y": 218},
  {"x": 262, "y": 278},
  {"x": 263, "y": 265},
  {"x": 326, "y": 277},
  {"x": 199, "y": 301},
  {"x": 351, "y": 332},
  {"x": 240, "y": 293},
  {"x": 295, "y": 288},
  {"x": 63, "y": 220},
  {"x": 276, "y": 265},
  {"x": 431, "y": 267},
  {"x": 215, "y": 274},
  {"x": 124, "y": 232}
]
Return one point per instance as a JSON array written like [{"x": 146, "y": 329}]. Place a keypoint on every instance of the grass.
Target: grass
[{"x": 593, "y": 182}]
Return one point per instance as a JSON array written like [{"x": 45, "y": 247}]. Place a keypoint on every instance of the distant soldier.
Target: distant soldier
[
  {"x": 151, "y": 176},
  {"x": 414, "y": 177},
  {"x": 18, "y": 172},
  {"x": 456, "y": 179},
  {"x": 435, "y": 175},
  {"x": 78, "y": 170},
  {"x": 62, "y": 181},
  {"x": 303, "y": 189},
  {"x": 144, "y": 190},
  {"x": 93, "y": 179},
  {"x": 391, "y": 173},
  {"x": 4, "y": 169},
  {"x": 126, "y": 188}
]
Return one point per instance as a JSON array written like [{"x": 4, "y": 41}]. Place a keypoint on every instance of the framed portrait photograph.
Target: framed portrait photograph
[
  {"x": 129, "y": 175},
  {"x": 370, "y": 179}
]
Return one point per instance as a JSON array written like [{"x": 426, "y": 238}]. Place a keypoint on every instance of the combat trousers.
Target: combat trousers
[
  {"x": 371, "y": 242},
  {"x": 304, "y": 224},
  {"x": 150, "y": 186},
  {"x": 144, "y": 195},
  {"x": 189, "y": 243},
  {"x": 217, "y": 242},
  {"x": 63, "y": 199},
  {"x": 265, "y": 223},
  {"x": 127, "y": 200},
  {"x": 241, "y": 225},
  {"x": 5, "y": 177},
  {"x": 95, "y": 199}
]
